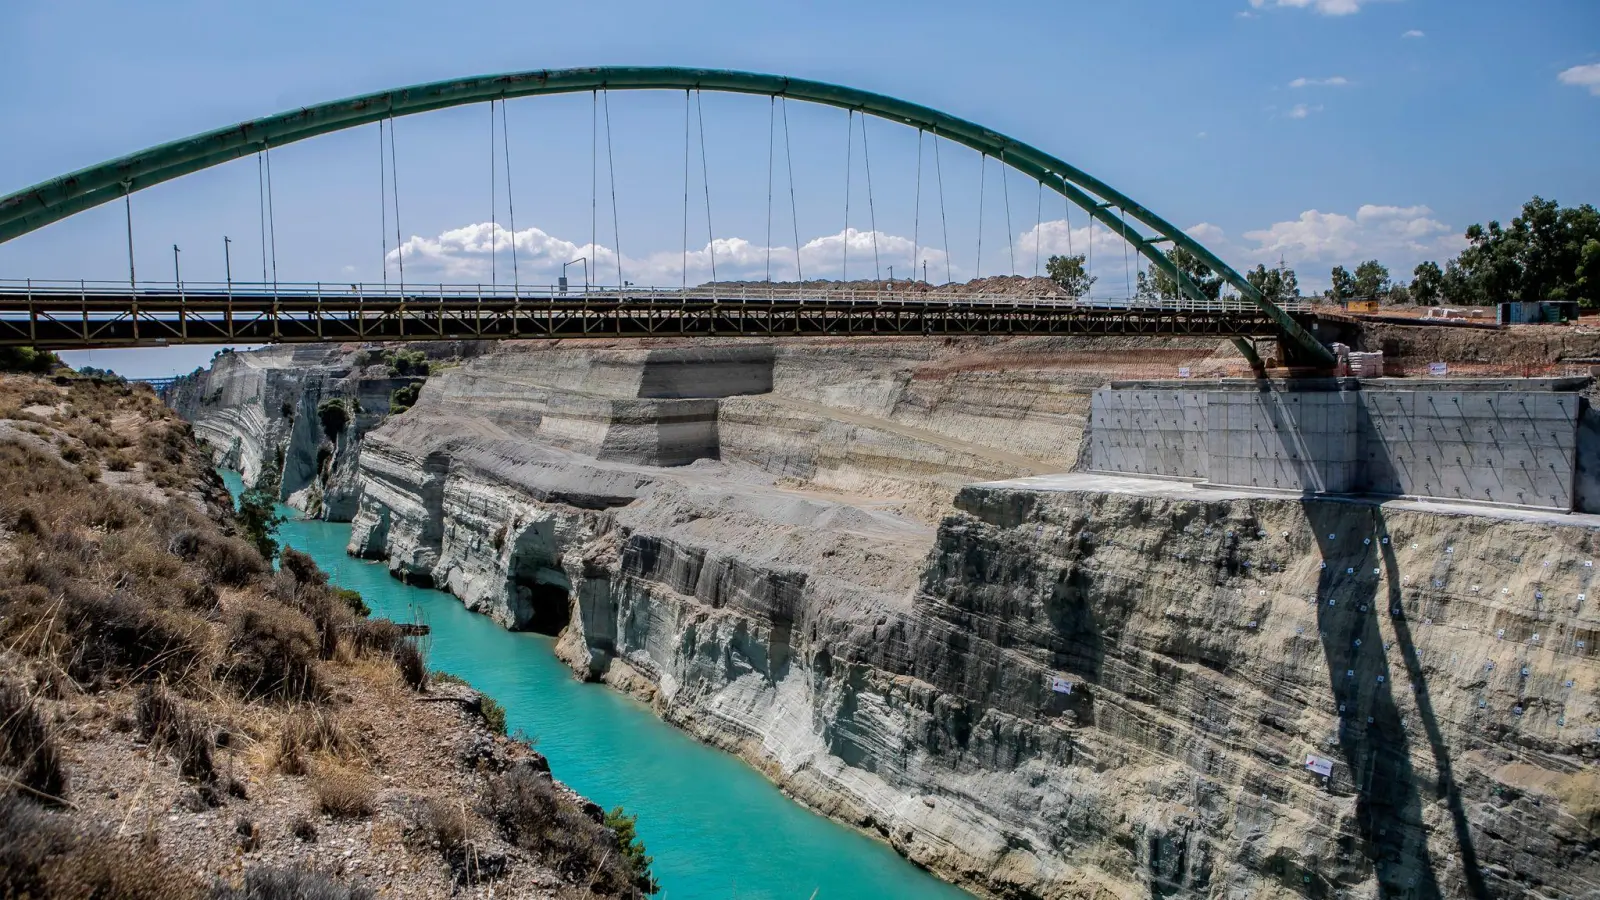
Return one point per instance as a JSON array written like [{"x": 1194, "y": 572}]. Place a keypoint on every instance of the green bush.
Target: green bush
[
  {"x": 494, "y": 715},
  {"x": 335, "y": 416},
  {"x": 27, "y": 359},
  {"x": 404, "y": 397}
]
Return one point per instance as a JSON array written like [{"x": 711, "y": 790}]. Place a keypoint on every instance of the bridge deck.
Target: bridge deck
[{"x": 59, "y": 316}]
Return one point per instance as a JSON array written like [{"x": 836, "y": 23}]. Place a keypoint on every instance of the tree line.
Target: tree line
[{"x": 1547, "y": 252}]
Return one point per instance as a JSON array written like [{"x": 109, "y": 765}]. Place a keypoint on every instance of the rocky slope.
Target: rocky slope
[
  {"x": 178, "y": 720},
  {"x": 781, "y": 548}
]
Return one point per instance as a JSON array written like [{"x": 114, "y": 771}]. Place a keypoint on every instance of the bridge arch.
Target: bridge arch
[{"x": 50, "y": 201}]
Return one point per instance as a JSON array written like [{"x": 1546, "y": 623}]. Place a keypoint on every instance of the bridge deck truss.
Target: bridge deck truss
[{"x": 92, "y": 317}]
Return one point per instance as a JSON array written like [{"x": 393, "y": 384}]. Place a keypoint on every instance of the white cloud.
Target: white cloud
[
  {"x": 1583, "y": 76},
  {"x": 462, "y": 255},
  {"x": 1335, "y": 81},
  {"x": 1398, "y": 236},
  {"x": 1324, "y": 7},
  {"x": 1414, "y": 33},
  {"x": 1301, "y": 111}
]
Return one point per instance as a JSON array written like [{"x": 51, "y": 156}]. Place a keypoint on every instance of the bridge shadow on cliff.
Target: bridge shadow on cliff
[
  {"x": 1374, "y": 743},
  {"x": 1360, "y": 583}
]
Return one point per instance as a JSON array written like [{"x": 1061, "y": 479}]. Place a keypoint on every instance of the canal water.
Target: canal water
[{"x": 716, "y": 828}]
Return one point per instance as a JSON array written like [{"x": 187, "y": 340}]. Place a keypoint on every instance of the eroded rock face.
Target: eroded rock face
[
  {"x": 258, "y": 411},
  {"x": 1036, "y": 693}
]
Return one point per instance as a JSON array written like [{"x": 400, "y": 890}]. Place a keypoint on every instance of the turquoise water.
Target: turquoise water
[{"x": 716, "y": 828}]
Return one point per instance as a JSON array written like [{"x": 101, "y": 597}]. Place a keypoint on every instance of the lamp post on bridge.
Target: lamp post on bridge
[
  {"x": 581, "y": 259},
  {"x": 227, "y": 261},
  {"x": 177, "y": 276}
]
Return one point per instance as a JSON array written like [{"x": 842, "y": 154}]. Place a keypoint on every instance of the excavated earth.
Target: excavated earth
[{"x": 828, "y": 557}]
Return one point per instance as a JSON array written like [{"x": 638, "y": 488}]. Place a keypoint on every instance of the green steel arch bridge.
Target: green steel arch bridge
[{"x": 81, "y": 314}]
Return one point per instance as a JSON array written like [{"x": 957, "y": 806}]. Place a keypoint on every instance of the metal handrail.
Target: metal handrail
[{"x": 44, "y": 290}]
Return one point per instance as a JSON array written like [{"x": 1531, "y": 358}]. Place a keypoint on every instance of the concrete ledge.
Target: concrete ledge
[
  {"x": 1093, "y": 482},
  {"x": 1566, "y": 384}
]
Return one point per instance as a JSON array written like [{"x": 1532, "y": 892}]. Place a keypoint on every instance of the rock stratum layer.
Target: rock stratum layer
[{"x": 1073, "y": 689}]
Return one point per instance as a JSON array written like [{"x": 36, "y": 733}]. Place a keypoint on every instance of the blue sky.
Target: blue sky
[{"x": 1320, "y": 131}]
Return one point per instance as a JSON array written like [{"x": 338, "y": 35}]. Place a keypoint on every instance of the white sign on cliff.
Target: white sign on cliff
[
  {"x": 1061, "y": 685},
  {"x": 1317, "y": 764}
]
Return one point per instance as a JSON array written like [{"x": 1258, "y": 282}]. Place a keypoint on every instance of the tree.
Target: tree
[
  {"x": 1427, "y": 284},
  {"x": 335, "y": 415},
  {"x": 1372, "y": 280},
  {"x": 1158, "y": 284},
  {"x": 1344, "y": 284},
  {"x": 258, "y": 516},
  {"x": 1276, "y": 285},
  {"x": 627, "y": 831},
  {"x": 1539, "y": 256},
  {"x": 1069, "y": 272}
]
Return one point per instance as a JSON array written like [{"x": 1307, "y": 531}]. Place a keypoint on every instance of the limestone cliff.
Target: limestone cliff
[{"x": 1063, "y": 688}]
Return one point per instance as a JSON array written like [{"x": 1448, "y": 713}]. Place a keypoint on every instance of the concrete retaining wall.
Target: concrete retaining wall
[{"x": 1502, "y": 441}]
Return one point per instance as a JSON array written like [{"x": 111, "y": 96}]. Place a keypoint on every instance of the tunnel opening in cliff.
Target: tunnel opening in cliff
[
  {"x": 538, "y": 592},
  {"x": 542, "y": 606}
]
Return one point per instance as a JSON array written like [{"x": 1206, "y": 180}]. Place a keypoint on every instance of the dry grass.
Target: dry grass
[
  {"x": 28, "y": 746},
  {"x": 44, "y": 854},
  {"x": 290, "y": 884},
  {"x": 309, "y": 734},
  {"x": 343, "y": 793},
  {"x": 169, "y": 724}
]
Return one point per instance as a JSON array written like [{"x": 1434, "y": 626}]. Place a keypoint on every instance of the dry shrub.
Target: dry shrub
[
  {"x": 532, "y": 814},
  {"x": 329, "y": 615},
  {"x": 343, "y": 793},
  {"x": 28, "y": 745},
  {"x": 290, "y": 884},
  {"x": 120, "y": 636},
  {"x": 273, "y": 653},
  {"x": 310, "y": 732},
  {"x": 167, "y": 722},
  {"x": 379, "y": 636},
  {"x": 445, "y": 825},
  {"x": 408, "y": 659},
  {"x": 301, "y": 567},
  {"x": 44, "y": 854},
  {"x": 229, "y": 560}
]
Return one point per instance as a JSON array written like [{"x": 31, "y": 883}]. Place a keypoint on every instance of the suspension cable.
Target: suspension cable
[
  {"x": 494, "y": 207},
  {"x": 794, "y": 213},
  {"x": 944, "y": 221},
  {"x": 1091, "y": 254},
  {"x": 611, "y": 168},
  {"x": 872, "y": 212},
  {"x": 1127, "y": 282},
  {"x": 685, "y": 284},
  {"x": 916, "y": 209},
  {"x": 1066, "y": 206},
  {"x": 383, "y": 207},
  {"x": 1005, "y": 189},
  {"x": 394, "y": 181},
  {"x": 705, "y": 181},
  {"x": 594, "y": 182},
  {"x": 1038, "y": 228},
  {"x": 261, "y": 208},
  {"x": 983, "y": 169},
  {"x": 511, "y": 203},
  {"x": 772, "y": 111},
  {"x": 272, "y": 222},
  {"x": 849, "y": 147}
]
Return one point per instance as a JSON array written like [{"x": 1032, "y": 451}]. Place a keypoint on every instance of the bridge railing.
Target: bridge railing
[{"x": 439, "y": 292}]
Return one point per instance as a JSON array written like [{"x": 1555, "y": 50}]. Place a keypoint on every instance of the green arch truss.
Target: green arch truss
[{"x": 58, "y": 198}]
